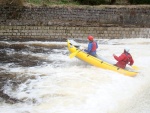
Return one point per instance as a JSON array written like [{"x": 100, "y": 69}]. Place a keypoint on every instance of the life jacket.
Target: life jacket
[{"x": 94, "y": 46}]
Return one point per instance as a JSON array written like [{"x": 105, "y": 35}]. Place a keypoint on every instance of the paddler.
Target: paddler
[
  {"x": 124, "y": 59},
  {"x": 92, "y": 46}
]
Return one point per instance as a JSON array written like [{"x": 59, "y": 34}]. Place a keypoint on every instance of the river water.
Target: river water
[{"x": 39, "y": 77}]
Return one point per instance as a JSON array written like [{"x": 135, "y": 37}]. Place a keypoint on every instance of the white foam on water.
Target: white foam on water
[{"x": 76, "y": 87}]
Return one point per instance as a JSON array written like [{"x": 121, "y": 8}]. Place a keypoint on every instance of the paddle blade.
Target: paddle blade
[
  {"x": 73, "y": 54},
  {"x": 135, "y": 67}
]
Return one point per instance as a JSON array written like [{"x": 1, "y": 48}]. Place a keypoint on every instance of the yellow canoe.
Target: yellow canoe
[{"x": 75, "y": 51}]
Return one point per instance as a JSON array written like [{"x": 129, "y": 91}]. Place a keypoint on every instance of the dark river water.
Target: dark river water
[{"x": 22, "y": 53}]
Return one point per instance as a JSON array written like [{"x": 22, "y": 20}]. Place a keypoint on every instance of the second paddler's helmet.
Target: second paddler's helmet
[{"x": 126, "y": 49}]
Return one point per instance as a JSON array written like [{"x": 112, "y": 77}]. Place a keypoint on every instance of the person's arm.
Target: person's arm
[
  {"x": 120, "y": 58},
  {"x": 131, "y": 61},
  {"x": 89, "y": 48}
]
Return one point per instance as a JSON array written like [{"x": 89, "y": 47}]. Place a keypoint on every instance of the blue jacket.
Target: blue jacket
[{"x": 89, "y": 50}]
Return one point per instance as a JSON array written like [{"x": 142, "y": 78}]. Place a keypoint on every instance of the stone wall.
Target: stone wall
[
  {"x": 61, "y": 32},
  {"x": 75, "y": 22}
]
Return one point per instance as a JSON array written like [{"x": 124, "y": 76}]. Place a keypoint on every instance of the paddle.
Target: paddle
[
  {"x": 73, "y": 54},
  {"x": 135, "y": 67}
]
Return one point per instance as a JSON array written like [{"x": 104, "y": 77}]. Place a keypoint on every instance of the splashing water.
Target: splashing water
[{"x": 54, "y": 83}]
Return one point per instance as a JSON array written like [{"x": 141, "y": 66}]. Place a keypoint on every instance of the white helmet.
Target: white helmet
[{"x": 127, "y": 49}]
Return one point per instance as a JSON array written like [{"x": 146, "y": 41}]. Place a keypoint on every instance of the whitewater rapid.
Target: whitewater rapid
[{"x": 63, "y": 85}]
